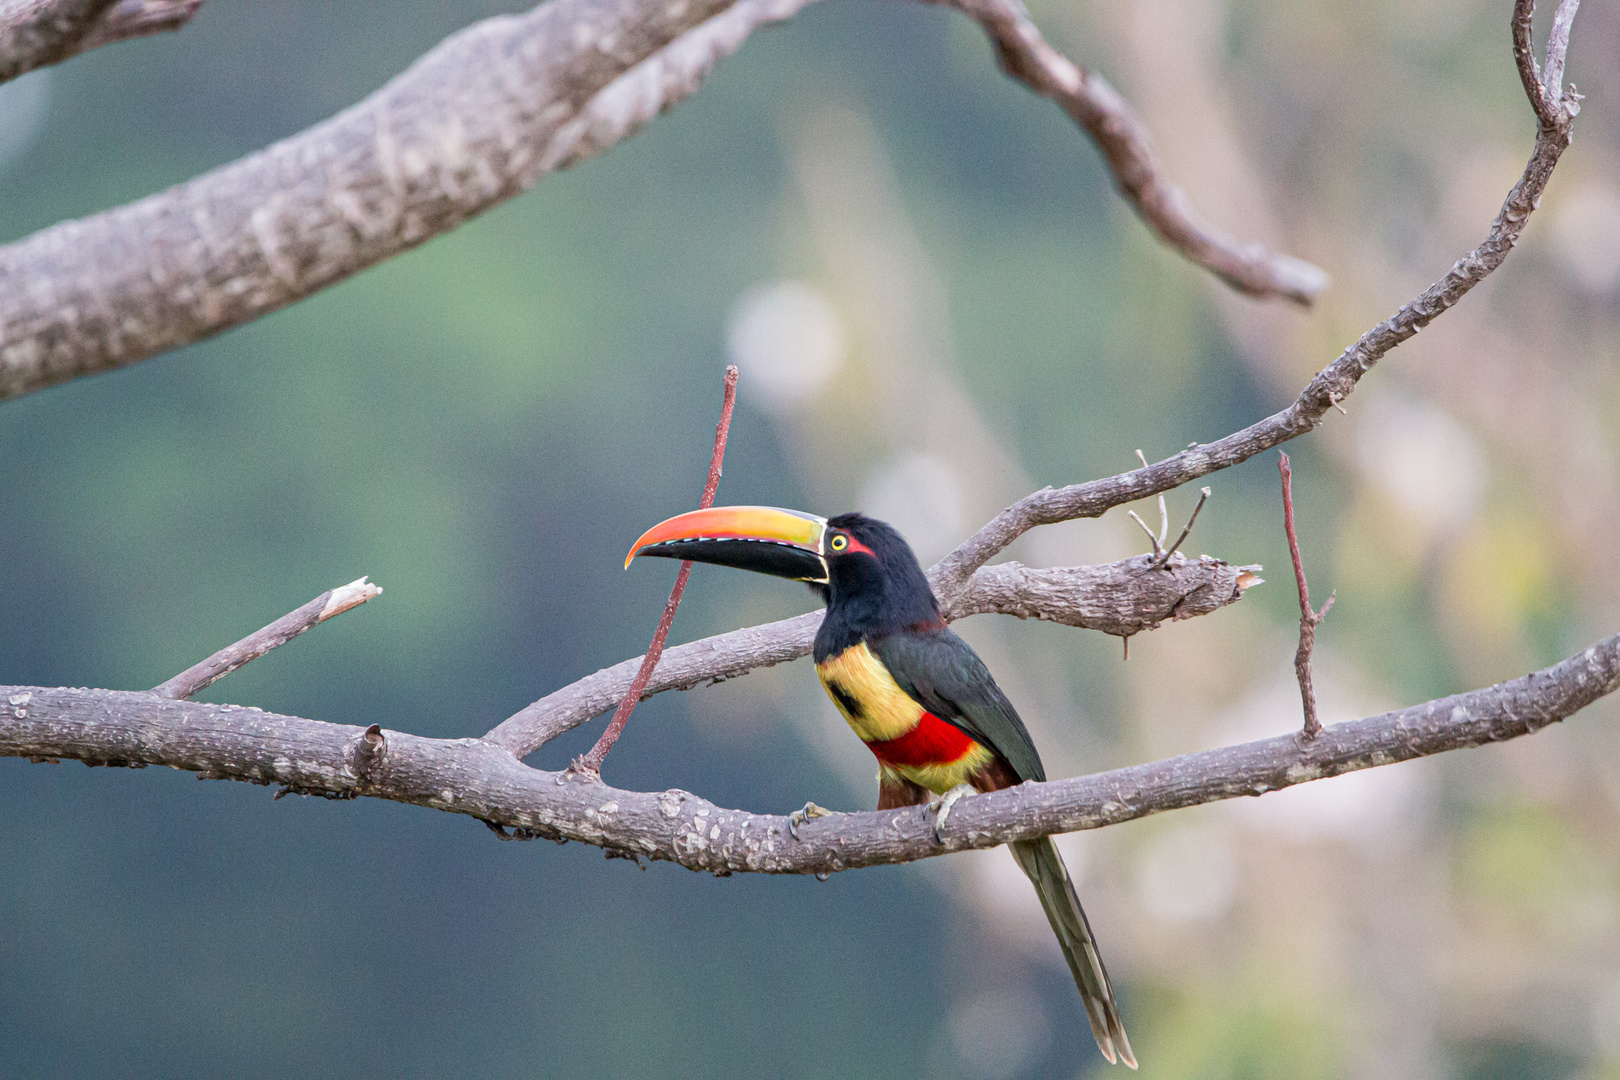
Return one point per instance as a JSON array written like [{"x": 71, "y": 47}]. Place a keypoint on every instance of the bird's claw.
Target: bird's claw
[
  {"x": 805, "y": 813},
  {"x": 942, "y": 807}
]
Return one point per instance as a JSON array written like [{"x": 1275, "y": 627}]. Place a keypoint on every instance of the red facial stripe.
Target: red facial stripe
[
  {"x": 931, "y": 742},
  {"x": 855, "y": 545}
]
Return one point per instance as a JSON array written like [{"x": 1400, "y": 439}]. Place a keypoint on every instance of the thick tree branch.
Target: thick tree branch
[
  {"x": 477, "y": 120},
  {"x": 475, "y": 777},
  {"x": 325, "y": 606},
  {"x": 1128, "y": 148},
  {"x": 36, "y": 33},
  {"x": 1123, "y": 598}
]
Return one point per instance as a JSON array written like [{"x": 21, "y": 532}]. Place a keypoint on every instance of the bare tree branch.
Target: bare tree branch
[
  {"x": 474, "y": 122},
  {"x": 329, "y": 603},
  {"x": 1123, "y": 598},
  {"x": 476, "y": 777},
  {"x": 484, "y": 778},
  {"x": 37, "y": 33},
  {"x": 1128, "y": 148},
  {"x": 1331, "y": 385}
]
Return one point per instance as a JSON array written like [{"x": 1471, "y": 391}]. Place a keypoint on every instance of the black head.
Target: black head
[
  {"x": 875, "y": 585},
  {"x": 861, "y": 568}
]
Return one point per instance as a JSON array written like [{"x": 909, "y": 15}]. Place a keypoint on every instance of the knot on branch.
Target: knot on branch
[{"x": 366, "y": 752}]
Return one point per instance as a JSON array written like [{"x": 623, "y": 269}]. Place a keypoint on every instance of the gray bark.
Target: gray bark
[
  {"x": 35, "y": 33},
  {"x": 469, "y": 125},
  {"x": 478, "y": 778},
  {"x": 477, "y": 120}
]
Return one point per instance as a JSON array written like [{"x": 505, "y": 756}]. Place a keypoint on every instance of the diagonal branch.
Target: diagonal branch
[
  {"x": 331, "y": 602},
  {"x": 475, "y": 121},
  {"x": 37, "y": 33},
  {"x": 592, "y": 762},
  {"x": 1127, "y": 147},
  {"x": 1331, "y": 385},
  {"x": 475, "y": 777},
  {"x": 1121, "y": 598}
]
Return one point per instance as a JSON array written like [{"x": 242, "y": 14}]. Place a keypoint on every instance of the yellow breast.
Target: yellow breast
[{"x": 867, "y": 695}]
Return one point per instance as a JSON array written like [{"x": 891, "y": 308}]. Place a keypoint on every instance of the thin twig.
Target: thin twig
[
  {"x": 1158, "y": 543},
  {"x": 1308, "y": 619},
  {"x": 332, "y": 602},
  {"x": 592, "y": 762},
  {"x": 1203, "y": 497}
]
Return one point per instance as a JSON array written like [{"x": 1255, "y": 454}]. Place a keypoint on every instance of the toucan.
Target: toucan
[{"x": 914, "y": 692}]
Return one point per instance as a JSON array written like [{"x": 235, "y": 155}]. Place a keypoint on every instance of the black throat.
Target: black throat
[{"x": 872, "y": 596}]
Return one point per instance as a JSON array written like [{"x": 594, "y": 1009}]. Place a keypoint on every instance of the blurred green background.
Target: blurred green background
[{"x": 939, "y": 304}]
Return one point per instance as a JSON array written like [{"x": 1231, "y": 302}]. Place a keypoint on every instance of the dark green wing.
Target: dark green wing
[{"x": 945, "y": 676}]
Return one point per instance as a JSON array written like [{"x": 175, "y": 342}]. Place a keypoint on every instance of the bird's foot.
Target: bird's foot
[
  {"x": 942, "y": 807},
  {"x": 803, "y": 814}
]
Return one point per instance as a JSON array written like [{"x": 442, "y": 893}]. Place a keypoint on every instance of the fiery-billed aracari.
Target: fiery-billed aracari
[{"x": 915, "y": 693}]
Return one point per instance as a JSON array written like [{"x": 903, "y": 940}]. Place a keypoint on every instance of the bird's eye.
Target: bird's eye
[{"x": 839, "y": 542}]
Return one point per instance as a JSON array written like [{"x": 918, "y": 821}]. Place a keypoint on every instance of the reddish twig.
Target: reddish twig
[
  {"x": 329, "y": 603},
  {"x": 1308, "y": 619},
  {"x": 592, "y": 762}
]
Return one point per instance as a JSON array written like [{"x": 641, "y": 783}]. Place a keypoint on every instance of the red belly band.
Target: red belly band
[{"x": 931, "y": 742}]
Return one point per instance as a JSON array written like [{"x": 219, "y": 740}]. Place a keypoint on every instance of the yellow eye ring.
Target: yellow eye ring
[{"x": 839, "y": 543}]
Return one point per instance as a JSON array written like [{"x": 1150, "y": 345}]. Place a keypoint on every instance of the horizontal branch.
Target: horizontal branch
[
  {"x": 478, "y": 778},
  {"x": 1127, "y": 147},
  {"x": 1123, "y": 598}
]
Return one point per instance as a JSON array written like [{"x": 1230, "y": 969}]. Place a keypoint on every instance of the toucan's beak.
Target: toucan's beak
[{"x": 784, "y": 543}]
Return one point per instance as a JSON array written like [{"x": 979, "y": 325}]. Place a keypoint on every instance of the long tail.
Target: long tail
[{"x": 1043, "y": 866}]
